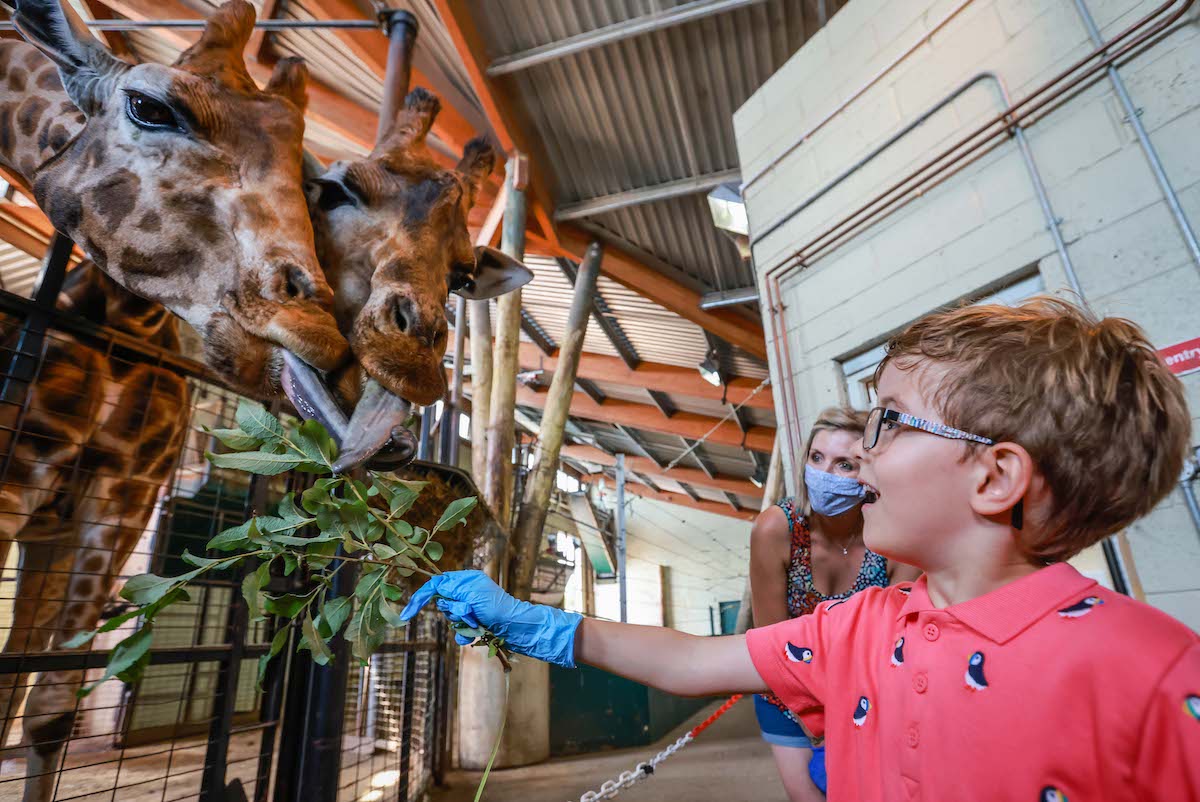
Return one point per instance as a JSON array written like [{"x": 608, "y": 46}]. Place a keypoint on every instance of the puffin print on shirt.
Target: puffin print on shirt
[
  {"x": 1051, "y": 794},
  {"x": 860, "y": 712},
  {"x": 798, "y": 654},
  {"x": 1191, "y": 706},
  {"x": 974, "y": 675},
  {"x": 898, "y": 652},
  {"x": 1081, "y": 608}
]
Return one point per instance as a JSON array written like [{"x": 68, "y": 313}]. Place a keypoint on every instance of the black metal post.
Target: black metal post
[
  {"x": 406, "y": 713},
  {"x": 212, "y": 783},
  {"x": 27, "y": 354},
  {"x": 401, "y": 28}
]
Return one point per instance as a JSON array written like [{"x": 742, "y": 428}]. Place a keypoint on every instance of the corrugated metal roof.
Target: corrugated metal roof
[{"x": 18, "y": 270}]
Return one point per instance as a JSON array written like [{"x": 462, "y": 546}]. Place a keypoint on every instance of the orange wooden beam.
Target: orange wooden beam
[
  {"x": 501, "y": 111},
  {"x": 648, "y": 418},
  {"x": 670, "y": 379},
  {"x": 642, "y": 465},
  {"x": 715, "y": 507}
]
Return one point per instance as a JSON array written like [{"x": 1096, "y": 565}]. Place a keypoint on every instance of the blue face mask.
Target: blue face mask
[{"x": 829, "y": 494}]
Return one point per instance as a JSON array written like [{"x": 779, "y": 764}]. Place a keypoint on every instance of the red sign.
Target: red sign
[{"x": 1182, "y": 358}]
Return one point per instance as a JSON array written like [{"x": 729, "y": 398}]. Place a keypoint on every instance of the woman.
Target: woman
[{"x": 806, "y": 550}]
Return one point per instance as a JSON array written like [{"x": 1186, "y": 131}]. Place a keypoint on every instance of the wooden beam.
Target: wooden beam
[
  {"x": 501, "y": 112},
  {"x": 646, "y": 417},
  {"x": 27, "y": 228},
  {"x": 715, "y": 507},
  {"x": 114, "y": 39},
  {"x": 673, "y": 379},
  {"x": 668, "y": 293},
  {"x": 663, "y": 402},
  {"x": 697, "y": 455},
  {"x": 683, "y": 476},
  {"x": 371, "y": 47}
]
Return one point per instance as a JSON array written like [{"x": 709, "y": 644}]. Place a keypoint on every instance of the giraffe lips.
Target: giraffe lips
[{"x": 374, "y": 435}]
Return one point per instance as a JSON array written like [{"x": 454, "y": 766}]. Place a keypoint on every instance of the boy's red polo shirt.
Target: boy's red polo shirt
[{"x": 1050, "y": 688}]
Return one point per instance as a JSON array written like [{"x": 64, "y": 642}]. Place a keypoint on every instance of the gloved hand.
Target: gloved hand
[{"x": 471, "y": 597}]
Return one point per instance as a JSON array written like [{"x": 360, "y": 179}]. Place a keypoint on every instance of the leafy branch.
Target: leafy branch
[{"x": 339, "y": 519}]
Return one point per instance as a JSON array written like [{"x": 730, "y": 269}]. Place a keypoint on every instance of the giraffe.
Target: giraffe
[
  {"x": 391, "y": 234},
  {"x": 85, "y": 522},
  {"x": 183, "y": 183}
]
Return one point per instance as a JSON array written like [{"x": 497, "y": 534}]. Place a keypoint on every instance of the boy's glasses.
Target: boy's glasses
[{"x": 880, "y": 416}]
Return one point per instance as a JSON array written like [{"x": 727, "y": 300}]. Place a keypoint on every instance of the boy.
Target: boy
[{"x": 1007, "y": 440}]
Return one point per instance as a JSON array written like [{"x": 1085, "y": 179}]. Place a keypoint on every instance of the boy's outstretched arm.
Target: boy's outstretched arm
[{"x": 671, "y": 661}]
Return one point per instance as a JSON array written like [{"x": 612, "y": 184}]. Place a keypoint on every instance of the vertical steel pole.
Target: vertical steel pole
[
  {"x": 401, "y": 28},
  {"x": 425, "y": 440},
  {"x": 453, "y": 408},
  {"x": 622, "y": 578}
]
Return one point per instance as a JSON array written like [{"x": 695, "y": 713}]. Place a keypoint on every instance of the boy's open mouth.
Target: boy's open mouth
[{"x": 871, "y": 495}]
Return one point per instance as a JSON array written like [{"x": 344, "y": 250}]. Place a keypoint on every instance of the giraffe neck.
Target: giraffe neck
[
  {"x": 88, "y": 292},
  {"x": 37, "y": 118}
]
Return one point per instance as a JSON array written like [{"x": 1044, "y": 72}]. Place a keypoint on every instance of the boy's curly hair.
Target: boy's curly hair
[{"x": 1091, "y": 401}]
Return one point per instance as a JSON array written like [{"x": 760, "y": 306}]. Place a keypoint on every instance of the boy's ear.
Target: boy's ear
[{"x": 1006, "y": 476}]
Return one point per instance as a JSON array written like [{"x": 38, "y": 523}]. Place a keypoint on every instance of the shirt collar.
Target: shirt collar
[{"x": 1009, "y": 610}]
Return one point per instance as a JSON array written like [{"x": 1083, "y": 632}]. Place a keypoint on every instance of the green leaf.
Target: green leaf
[
  {"x": 367, "y": 585},
  {"x": 400, "y": 494},
  {"x": 288, "y": 605},
  {"x": 252, "y": 585},
  {"x": 456, "y": 513},
  {"x": 320, "y": 495},
  {"x": 289, "y": 512},
  {"x": 260, "y": 462},
  {"x": 277, "y": 644},
  {"x": 392, "y": 593},
  {"x": 333, "y": 615},
  {"x": 310, "y": 639},
  {"x": 383, "y": 551},
  {"x": 237, "y": 537},
  {"x": 290, "y": 563},
  {"x": 418, "y": 535},
  {"x": 320, "y": 555},
  {"x": 128, "y": 660},
  {"x": 391, "y": 613},
  {"x": 469, "y": 631},
  {"x": 147, "y": 588},
  {"x": 434, "y": 550},
  {"x": 234, "y": 439},
  {"x": 316, "y": 444},
  {"x": 254, "y": 419},
  {"x": 201, "y": 562}
]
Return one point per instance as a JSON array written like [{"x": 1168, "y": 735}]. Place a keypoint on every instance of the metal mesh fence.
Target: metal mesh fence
[{"x": 102, "y": 477}]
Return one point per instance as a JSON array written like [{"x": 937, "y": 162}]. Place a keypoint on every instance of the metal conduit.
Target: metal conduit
[
  {"x": 1156, "y": 166},
  {"x": 198, "y": 24},
  {"x": 1191, "y": 472},
  {"x": 965, "y": 150}
]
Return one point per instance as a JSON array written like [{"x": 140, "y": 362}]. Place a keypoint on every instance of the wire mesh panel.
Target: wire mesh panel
[
  {"x": 103, "y": 476},
  {"x": 390, "y": 743}
]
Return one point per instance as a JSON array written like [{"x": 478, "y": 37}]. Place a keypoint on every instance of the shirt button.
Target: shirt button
[
  {"x": 913, "y": 736},
  {"x": 920, "y": 683},
  {"x": 932, "y": 632}
]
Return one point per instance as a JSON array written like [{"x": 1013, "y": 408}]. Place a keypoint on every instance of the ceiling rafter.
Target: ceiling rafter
[
  {"x": 698, "y": 456},
  {"x": 663, "y": 401},
  {"x": 602, "y": 204},
  {"x": 704, "y": 505},
  {"x": 591, "y": 390},
  {"x": 641, "y": 443},
  {"x": 604, "y": 319},
  {"x": 681, "y": 475},
  {"x": 534, "y": 331}
]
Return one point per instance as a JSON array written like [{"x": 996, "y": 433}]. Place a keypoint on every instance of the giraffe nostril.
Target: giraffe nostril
[
  {"x": 297, "y": 284},
  {"x": 402, "y": 314}
]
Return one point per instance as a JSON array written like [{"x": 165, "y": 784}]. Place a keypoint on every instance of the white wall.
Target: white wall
[{"x": 982, "y": 226}]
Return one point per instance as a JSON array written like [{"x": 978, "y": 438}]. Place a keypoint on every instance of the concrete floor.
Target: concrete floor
[{"x": 728, "y": 761}]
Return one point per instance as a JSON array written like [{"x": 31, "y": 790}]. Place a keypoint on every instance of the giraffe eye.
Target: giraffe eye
[{"x": 146, "y": 112}]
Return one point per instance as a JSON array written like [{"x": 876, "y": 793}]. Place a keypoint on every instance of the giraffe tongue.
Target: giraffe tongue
[
  {"x": 376, "y": 432},
  {"x": 363, "y": 437}
]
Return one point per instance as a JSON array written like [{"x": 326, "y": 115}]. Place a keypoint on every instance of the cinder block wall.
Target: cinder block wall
[{"x": 981, "y": 228}]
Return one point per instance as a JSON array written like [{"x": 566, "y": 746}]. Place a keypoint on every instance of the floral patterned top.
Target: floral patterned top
[{"x": 802, "y": 595}]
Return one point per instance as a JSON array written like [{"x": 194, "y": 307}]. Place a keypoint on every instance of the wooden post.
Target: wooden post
[
  {"x": 527, "y": 535},
  {"x": 589, "y": 581},
  {"x": 501, "y": 430},
  {"x": 667, "y": 596},
  {"x": 772, "y": 492}
]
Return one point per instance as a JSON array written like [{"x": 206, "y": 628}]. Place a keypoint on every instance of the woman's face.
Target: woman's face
[{"x": 836, "y": 451}]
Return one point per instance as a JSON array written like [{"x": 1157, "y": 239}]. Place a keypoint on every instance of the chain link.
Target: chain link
[{"x": 626, "y": 779}]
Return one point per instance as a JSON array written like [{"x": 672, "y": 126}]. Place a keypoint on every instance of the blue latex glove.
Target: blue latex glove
[{"x": 471, "y": 597}]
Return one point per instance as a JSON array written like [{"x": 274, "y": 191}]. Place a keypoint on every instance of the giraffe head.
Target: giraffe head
[
  {"x": 391, "y": 233},
  {"x": 184, "y": 183}
]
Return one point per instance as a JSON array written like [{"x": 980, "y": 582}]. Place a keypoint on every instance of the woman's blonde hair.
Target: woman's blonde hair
[{"x": 832, "y": 419}]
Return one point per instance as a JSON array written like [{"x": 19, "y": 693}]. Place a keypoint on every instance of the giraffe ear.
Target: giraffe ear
[
  {"x": 496, "y": 273},
  {"x": 86, "y": 66},
  {"x": 289, "y": 80}
]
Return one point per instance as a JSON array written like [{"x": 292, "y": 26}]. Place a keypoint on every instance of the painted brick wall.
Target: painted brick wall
[{"x": 983, "y": 226}]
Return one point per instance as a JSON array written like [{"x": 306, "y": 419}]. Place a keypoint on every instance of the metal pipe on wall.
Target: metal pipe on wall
[
  {"x": 1135, "y": 121},
  {"x": 622, "y": 576},
  {"x": 962, "y": 152}
]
